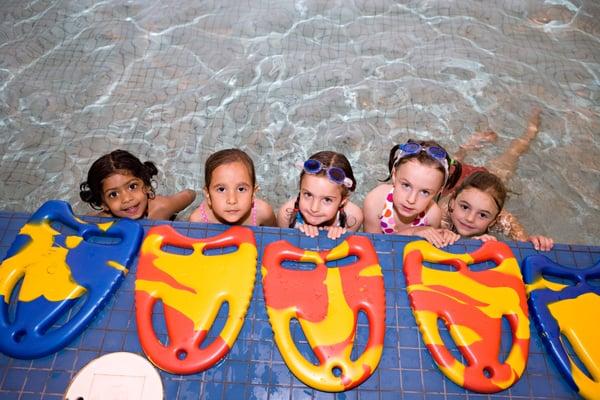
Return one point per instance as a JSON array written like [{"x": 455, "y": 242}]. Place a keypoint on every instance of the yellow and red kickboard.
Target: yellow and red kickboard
[
  {"x": 472, "y": 305},
  {"x": 192, "y": 288},
  {"x": 326, "y": 302}
]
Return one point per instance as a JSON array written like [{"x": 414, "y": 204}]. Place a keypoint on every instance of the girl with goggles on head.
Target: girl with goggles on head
[
  {"x": 323, "y": 203},
  {"x": 419, "y": 172}
]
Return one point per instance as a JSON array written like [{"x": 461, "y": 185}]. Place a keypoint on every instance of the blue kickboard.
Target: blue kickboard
[
  {"x": 560, "y": 300},
  {"x": 53, "y": 283}
]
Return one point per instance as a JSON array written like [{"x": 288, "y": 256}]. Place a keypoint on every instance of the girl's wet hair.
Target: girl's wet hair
[
  {"x": 454, "y": 166},
  {"x": 227, "y": 156},
  {"x": 486, "y": 182},
  {"x": 328, "y": 159},
  {"x": 118, "y": 161}
]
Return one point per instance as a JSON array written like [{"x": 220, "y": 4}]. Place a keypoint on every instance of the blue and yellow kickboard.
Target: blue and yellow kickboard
[
  {"x": 57, "y": 271},
  {"x": 565, "y": 306}
]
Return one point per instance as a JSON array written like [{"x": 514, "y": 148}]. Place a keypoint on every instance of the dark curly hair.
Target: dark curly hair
[{"x": 118, "y": 161}]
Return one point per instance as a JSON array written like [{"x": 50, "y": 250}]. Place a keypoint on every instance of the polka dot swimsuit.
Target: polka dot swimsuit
[{"x": 387, "y": 221}]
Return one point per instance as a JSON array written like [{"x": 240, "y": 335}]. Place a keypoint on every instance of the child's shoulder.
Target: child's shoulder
[{"x": 379, "y": 193}]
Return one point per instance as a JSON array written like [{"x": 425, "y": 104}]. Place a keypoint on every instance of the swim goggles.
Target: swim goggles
[
  {"x": 334, "y": 174},
  {"x": 437, "y": 153}
]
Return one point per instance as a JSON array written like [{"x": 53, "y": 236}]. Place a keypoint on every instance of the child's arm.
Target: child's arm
[
  {"x": 372, "y": 207},
  {"x": 164, "y": 207},
  {"x": 284, "y": 213},
  {"x": 264, "y": 214},
  {"x": 354, "y": 217},
  {"x": 508, "y": 225}
]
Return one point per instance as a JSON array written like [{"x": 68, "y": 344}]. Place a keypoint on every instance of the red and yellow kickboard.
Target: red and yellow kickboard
[
  {"x": 326, "y": 303},
  {"x": 192, "y": 289},
  {"x": 472, "y": 305}
]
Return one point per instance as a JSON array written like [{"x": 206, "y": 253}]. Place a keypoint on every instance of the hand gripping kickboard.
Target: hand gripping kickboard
[
  {"x": 192, "y": 289},
  {"x": 566, "y": 312},
  {"x": 326, "y": 302},
  {"x": 56, "y": 270},
  {"x": 471, "y": 304}
]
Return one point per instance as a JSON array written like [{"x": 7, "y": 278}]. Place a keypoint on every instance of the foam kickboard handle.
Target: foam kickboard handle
[
  {"x": 565, "y": 304},
  {"x": 326, "y": 302},
  {"x": 471, "y": 304},
  {"x": 57, "y": 270},
  {"x": 192, "y": 288}
]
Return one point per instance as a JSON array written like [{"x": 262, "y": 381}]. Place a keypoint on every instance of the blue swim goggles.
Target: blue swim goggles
[
  {"x": 334, "y": 174},
  {"x": 437, "y": 153}
]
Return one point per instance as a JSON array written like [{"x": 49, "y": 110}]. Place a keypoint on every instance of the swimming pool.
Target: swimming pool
[{"x": 174, "y": 81}]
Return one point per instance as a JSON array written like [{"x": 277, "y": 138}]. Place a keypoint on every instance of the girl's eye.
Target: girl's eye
[
  {"x": 133, "y": 186},
  {"x": 242, "y": 189},
  {"x": 483, "y": 216},
  {"x": 464, "y": 207},
  {"x": 112, "y": 195},
  {"x": 328, "y": 200},
  {"x": 306, "y": 195},
  {"x": 220, "y": 189},
  {"x": 425, "y": 193}
]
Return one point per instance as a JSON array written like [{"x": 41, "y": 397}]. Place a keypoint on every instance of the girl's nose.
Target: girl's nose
[
  {"x": 470, "y": 217},
  {"x": 314, "y": 206},
  {"x": 412, "y": 197},
  {"x": 231, "y": 198}
]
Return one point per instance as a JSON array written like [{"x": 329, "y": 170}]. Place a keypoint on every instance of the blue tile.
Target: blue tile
[
  {"x": 57, "y": 382},
  {"x": 14, "y": 379}
]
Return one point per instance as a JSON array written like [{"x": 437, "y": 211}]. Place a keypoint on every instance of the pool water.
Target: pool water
[{"x": 173, "y": 81}]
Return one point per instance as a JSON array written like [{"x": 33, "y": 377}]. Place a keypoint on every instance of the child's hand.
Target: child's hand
[
  {"x": 334, "y": 232},
  {"x": 309, "y": 230},
  {"x": 436, "y": 236},
  {"x": 450, "y": 237},
  {"x": 486, "y": 238},
  {"x": 540, "y": 242}
]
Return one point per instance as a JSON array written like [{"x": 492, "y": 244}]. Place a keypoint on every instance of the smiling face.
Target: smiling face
[
  {"x": 472, "y": 212},
  {"x": 415, "y": 186},
  {"x": 124, "y": 196},
  {"x": 320, "y": 200},
  {"x": 230, "y": 193}
]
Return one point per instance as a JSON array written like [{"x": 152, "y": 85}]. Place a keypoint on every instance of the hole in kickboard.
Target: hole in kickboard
[
  {"x": 102, "y": 239},
  {"x": 181, "y": 354},
  {"x": 219, "y": 251},
  {"x": 62, "y": 313},
  {"x": 217, "y": 325},
  {"x": 301, "y": 342},
  {"x": 448, "y": 341},
  {"x": 298, "y": 265},
  {"x": 19, "y": 335},
  {"x": 361, "y": 338},
  {"x": 64, "y": 229},
  {"x": 159, "y": 324},
  {"x": 573, "y": 355},
  {"x": 342, "y": 262},
  {"x": 183, "y": 251},
  {"x": 452, "y": 265},
  {"x": 506, "y": 338},
  {"x": 561, "y": 279},
  {"x": 488, "y": 372},
  {"x": 337, "y": 371},
  {"x": 13, "y": 301}
]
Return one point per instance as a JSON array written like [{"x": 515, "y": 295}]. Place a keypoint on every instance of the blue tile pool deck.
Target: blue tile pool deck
[{"x": 254, "y": 368}]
